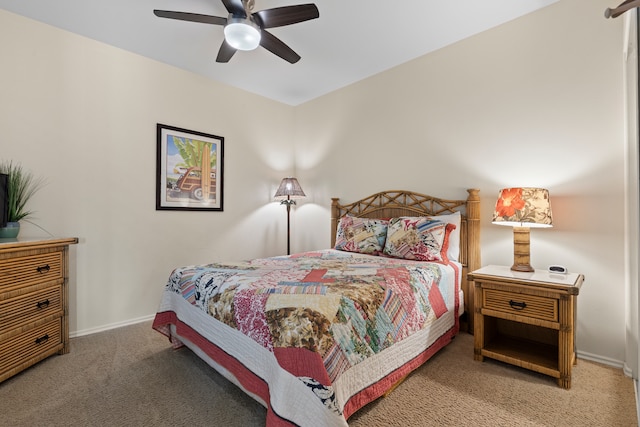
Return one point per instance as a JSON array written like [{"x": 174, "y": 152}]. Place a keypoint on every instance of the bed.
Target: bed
[{"x": 315, "y": 336}]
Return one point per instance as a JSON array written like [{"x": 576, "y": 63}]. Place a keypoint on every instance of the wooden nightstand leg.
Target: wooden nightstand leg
[
  {"x": 477, "y": 355},
  {"x": 566, "y": 354},
  {"x": 574, "y": 303},
  {"x": 478, "y": 327},
  {"x": 565, "y": 382}
]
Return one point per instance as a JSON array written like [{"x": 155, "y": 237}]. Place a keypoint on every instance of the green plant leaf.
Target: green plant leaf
[{"x": 22, "y": 186}]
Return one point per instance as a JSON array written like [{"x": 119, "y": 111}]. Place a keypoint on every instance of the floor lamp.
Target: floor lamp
[{"x": 288, "y": 191}]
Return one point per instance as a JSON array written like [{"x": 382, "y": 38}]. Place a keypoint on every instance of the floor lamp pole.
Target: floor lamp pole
[
  {"x": 289, "y": 187},
  {"x": 289, "y": 201}
]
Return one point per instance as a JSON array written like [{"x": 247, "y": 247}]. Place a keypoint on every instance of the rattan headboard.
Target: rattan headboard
[{"x": 395, "y": 203}]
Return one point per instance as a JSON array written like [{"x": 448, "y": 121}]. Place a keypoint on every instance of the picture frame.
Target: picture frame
[{"x": 184, "y": 165}]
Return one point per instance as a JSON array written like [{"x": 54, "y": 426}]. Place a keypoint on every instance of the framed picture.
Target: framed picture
[{"x": 189, "y": 170}]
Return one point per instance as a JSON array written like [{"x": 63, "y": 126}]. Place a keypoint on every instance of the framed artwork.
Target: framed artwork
[{"x": 189, "y": 170}]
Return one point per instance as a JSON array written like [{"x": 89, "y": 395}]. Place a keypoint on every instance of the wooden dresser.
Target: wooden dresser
[{"x": 34, "y": 303}]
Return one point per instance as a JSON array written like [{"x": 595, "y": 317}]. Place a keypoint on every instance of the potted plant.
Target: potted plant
[{"x": 22, "y": 185}]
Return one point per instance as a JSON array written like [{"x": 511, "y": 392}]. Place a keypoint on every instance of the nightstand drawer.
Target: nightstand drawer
[
  {"x": 521, "y": 304},
  {"x": 29, "y": 270},
  {"x": 31, "y": 307},
  {"x": 33, "y": 343}
]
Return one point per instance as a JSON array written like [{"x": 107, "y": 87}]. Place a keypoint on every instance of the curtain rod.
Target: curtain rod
[{"x": 622, "y": 8}]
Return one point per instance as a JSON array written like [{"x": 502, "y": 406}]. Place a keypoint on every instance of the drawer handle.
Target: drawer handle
[
  {"x": 517, "y": 305},
  {"x": 43, "y": 304},
  {"x": 42, "y": 339},
  {"x": 44, "y": 269}
]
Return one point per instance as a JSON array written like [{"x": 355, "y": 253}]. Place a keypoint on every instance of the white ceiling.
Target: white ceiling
[{"x": 351, "y": 40}]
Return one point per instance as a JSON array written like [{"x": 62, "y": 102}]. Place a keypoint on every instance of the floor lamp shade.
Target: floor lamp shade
[
  {"x": 523, "y": 208},
  {"x": 287, "y": 192},
  {"x": 289, "y": 189}
]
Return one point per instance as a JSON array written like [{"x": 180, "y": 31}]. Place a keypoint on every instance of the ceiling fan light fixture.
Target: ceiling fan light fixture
[{"x": 242, "y": 34}]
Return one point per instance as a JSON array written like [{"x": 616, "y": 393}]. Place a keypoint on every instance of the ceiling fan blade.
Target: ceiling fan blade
[
  {"x": 226, "y": 52},
  {"x": 286, "y": 15},
  {"x": 235, "y": 7},
  {"x": 277, "y": 47},
  {"x": 192, "y": 17}
]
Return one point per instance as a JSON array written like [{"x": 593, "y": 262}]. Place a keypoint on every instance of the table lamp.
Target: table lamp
[{"x": 523, "y": 208}]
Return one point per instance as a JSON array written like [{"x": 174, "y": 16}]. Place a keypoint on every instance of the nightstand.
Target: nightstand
[{"x": 527, "y": 319}]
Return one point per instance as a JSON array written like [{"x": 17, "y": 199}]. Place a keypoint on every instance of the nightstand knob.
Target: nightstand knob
[
  {"x": 517, "y": 305},
  {"x": 43, "y": 269},
  {"x": 42, "y": 339}
]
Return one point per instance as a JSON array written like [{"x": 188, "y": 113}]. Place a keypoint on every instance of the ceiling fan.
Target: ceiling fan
[{"x": 246, "y": 30}]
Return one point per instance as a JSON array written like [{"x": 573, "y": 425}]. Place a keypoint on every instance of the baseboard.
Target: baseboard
[
  {"x": 635, "y": 389},
  {"x": 603, "y": 360},
  {"x": 110, "y": 326},
  {"x": 627, "y": 370}
]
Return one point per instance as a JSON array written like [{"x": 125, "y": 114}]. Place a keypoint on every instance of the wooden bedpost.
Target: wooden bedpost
[
  {"x": 473, "y": 251},
  {"x": 334, "y": 219}
]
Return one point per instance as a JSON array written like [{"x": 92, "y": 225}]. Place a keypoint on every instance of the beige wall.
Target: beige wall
[
  {"x": 535, "y": 102},
  {"x": 83, "y": 115}
]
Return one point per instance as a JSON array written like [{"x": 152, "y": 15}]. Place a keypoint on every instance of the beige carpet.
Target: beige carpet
[{"x": 130, "y": 377}]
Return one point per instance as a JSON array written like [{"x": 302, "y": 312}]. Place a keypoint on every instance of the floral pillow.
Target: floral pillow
[
  {"x": 416, "y": 238},
  {"x": 361, "y": 235}
]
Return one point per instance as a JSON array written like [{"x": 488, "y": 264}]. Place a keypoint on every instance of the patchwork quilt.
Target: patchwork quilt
[{"x": 314, "y": 336}]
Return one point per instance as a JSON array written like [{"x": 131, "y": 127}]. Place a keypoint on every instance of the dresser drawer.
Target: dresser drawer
[
  {"x": 521, "y": 304},
  {"x": 28, "y": 270},
  {"x": 30, "y": 344},
  {"x": 31, "y": 307}
]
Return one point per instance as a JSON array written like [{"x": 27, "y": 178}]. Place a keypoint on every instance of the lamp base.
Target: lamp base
[
  {"x": 526, "y": 268},
  {"x": 521, "y": 250}
]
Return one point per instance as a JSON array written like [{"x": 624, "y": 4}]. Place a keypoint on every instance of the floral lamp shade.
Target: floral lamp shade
[{"x": 523, "y": 207}]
